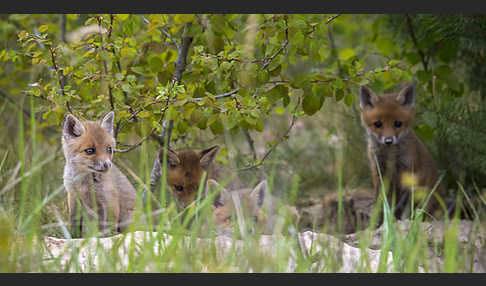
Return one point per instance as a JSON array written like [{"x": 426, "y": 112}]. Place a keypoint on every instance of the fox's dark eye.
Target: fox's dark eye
[
  {"x": 398, "y": 123},
  {"x": 109, "y": 150},
  {"x": 378, "y": 124},
  {"x": 90, "y": 151},
  {"x": 172, "y": 166},
  {"x": 179, "y": 188}
]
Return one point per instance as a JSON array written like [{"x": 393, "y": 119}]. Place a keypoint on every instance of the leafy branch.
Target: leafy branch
[
  {"x": 59, "y": 75},
  {"x": 415, "y": 43}
]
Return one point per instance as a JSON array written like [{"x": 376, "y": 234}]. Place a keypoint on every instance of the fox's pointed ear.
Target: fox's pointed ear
[
  {"x": 406, "y": 96},
  {"x": 72, "y": 128},
  {"x": 172, "y": 157},
  {"x": 367, "y": 97},
  {"x": 221, "y": 197},
  {"x": 107, "y": 122},
  {"x": 208, "y": 155},
  {"x": 260, "y": 193}
]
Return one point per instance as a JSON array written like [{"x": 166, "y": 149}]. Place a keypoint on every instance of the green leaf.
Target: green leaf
[
  {"x": 339, "y": 94},
  {"x": 259, "y": 125},
  {"x": 277, "y": 92},
  {"x": 311, "y": 104},
  {"x": 43, "y": 28},
  {"x": 217, "y": 127},
  {"x": 346, "y": 54},
  {"x": 279, "y": 110},
  {"x": 349, "y": 99},
  {"x": 143, "y": 114}
]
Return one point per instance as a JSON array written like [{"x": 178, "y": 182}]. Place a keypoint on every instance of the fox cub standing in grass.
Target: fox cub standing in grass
[
  {"x": 92, "y": 180},
  {"x": 256, "y": 207},
  {"x": 388, "y": 121}
]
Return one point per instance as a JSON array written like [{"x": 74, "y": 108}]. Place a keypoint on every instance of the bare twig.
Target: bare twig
[
  {"x": 178, "y": 47},
  {"x": 250, "y": 144},
  {"x": 279, "y": 140},
  {"x": 217, "y": 96},
  {"x": 267, "y": 61},
  {"x": 147, "y": 136},
  {"x": 332, "y": 18}
]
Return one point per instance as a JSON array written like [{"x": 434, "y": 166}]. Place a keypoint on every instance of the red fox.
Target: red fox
[
  {"x": 255, "y": 206},
  {"x": 91, "y": 178},
  {"x": 399, "y": 152},
  {"x": 185, "y": 168}
]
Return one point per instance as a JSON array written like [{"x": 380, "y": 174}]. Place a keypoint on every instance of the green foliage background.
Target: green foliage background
[{"x": 276, "y": 66}]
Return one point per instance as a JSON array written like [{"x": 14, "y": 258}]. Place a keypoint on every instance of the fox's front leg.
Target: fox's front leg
[{"x": 75, "y": 215}]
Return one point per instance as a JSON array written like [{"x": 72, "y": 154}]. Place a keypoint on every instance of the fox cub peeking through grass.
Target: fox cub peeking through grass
[
  {"x": 185, "y": 168},
  {"x": 249, "y": 209},
  {"x": 400, "y": 154},
  {"x": 94, "y": 184}
]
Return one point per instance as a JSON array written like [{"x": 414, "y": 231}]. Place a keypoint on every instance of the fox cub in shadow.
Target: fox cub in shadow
[
  {"x": 91, "y": 179},
  {"x": 249, "y": 209},
  {"x": 185, "y": 168},
  {"x": 400, "y": 154}
]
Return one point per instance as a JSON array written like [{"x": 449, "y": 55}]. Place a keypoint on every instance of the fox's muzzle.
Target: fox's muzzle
[
  {"x": 102, "y": 166},
  {"x": 389, "y": 140}
]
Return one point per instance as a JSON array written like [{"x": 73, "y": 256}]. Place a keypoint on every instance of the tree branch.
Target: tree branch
[
  {"x": 267, "y": 61},
  {"x": 332, "y": 18},
  {"x": 180, "y": 64},
  {"x": 105, "y": 65},
  {"x": 148, "y": 135},
  {"x": 60, "y": 77},
  {"x": 415, "y": 42},
  {"x": 250, "y": 144}
]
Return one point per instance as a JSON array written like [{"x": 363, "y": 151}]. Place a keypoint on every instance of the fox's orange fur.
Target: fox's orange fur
[
  {"x": 185, "y": 168},
  {"x": 91, "y": 178},
  {"x": 388, "y": 120},
  {"x": 184, "y": 172}
]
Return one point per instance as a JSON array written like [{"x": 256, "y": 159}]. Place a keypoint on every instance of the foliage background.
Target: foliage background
[{"x": 290, "y": 82}]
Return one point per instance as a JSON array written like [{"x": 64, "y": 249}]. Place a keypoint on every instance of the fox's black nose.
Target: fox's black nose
[
  {"x": 388, "y": 140},
  {"x": 179, "y": 188},
  {"x": 106, "y": 165}
]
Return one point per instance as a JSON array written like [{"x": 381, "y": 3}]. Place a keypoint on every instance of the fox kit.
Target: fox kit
[
  {"x": 388, "y": 121},
  {"x": 91, "y": 178},
  {"x": 185, "y": 168},
  {"x": 255, "y": 205}
]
